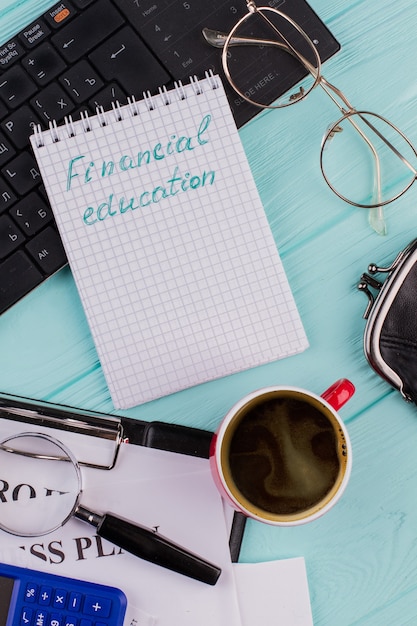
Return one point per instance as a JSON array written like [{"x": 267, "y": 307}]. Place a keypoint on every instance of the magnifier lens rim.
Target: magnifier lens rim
[{"x": 67, "y": 455}]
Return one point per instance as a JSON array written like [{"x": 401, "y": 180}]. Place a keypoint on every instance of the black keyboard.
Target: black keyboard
[{"x": 88, "y": 53}]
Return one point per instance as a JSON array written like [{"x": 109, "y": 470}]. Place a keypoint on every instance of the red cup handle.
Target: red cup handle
[{"x": 339, "y": 393}]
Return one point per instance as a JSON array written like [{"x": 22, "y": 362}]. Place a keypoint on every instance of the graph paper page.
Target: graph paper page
[{"x": 168, "y": 243}]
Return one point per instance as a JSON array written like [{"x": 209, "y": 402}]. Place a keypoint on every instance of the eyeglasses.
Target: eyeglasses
[{"x": 364, "y": 158}]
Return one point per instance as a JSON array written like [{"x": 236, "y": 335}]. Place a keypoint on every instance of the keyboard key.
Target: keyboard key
[
  {"x": 81, "y": 82},
  {"x": 19, "y": 126},
  {"x": 31, "y": 214},
  {"x": 3, "y": 110},
  {"x": 15, "y": 87},
  {"x": 22, "y": 173},
  {"x": 6, "y": 149},
  {"x": 138, "y": 12},
  {"x": 114, "y": 60},
  {"x": 59, "y": 14},
  {"x": 10, "y": 52},
  {"x": 47, "y": 250},
  {"x": 33, "y": 34},
  {"x": 10, "y": 236},
  {"x": 104, "y": 98},
  {"x": 18, "y": 276},
  {"x": 82, "y": 4},
  {"x": 52, "y": 103},
  {"x": 43, "y": 64},
  {"x": 7, "y": 197},
  {"x": 91, "y": 27}
]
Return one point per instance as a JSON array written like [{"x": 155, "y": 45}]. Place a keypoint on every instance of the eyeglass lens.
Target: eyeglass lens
[
  {"x": 366, "y": 160},
  {"x": 270, "y": 33}
]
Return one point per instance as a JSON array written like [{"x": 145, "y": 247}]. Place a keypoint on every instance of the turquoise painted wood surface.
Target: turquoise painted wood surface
[{"x": 362, "y": 556}]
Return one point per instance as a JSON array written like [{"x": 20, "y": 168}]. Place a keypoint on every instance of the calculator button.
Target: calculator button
[
  {"x": 55, "y": 620},
  {"x": 74, "y": 601},
  {"x": 40, "y": 618},
  {"x": 26, "y": 617},
  {"x": 99, "y": 607},
  {"x": 70, "y": 621},
  {"x": 86, "y": 622},
  {"x": 31, "y": 592},
  {"x": 45, "y": 595},
  {"x": 59, "y": 600}
]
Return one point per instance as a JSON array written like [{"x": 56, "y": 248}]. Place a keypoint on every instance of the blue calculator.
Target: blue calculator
[{"x": 32, "y": 598}]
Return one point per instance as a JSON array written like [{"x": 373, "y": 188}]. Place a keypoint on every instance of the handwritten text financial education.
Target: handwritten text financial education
[{"x": 82, "y": 171}]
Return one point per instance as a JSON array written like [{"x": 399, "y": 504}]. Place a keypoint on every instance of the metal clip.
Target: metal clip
[
  {"x": 364, "y": 287},
  {"x": 372, "y": 282},
  {"x": 366, "y": 282},
  {"x": 94, "y": 438}
]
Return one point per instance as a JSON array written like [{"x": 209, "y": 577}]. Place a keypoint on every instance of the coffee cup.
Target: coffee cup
[{"x": 282, "y": 455}]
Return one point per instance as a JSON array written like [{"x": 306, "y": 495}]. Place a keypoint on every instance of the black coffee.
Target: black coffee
[{"x": 284, "y": 455}]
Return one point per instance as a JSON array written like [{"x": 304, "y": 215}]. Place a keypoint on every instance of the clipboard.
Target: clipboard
[{"x": 112, "y": 431}]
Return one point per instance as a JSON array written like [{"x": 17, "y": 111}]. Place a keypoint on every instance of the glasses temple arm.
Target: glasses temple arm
[{"x": 388, "y": 143}]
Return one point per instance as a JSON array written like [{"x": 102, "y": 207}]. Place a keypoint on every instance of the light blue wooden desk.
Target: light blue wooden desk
[{"x": 362, "y": 557}]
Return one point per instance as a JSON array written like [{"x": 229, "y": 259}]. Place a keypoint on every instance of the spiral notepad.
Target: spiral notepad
[{"x": 168, "y": 242}]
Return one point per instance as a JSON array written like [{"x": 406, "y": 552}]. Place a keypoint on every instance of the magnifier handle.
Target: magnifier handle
[{"x": 155, "y": 548}]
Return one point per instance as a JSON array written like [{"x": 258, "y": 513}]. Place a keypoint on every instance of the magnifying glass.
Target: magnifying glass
[{"x": 40, "y": 490}]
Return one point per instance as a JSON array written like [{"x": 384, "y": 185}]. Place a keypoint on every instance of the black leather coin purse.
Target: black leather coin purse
[{"x": 390, "y": 338}]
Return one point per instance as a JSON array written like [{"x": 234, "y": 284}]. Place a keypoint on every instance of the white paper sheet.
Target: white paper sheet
[
  {"x": 172, "y": 493},
  {"x": 273, "y": 593}
]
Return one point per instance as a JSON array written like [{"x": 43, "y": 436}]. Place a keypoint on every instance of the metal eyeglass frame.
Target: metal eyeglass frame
[{"x": 225, "y": 41}]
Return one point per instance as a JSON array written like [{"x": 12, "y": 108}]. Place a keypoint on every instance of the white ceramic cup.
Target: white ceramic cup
[{"x": 282, "y": 455}]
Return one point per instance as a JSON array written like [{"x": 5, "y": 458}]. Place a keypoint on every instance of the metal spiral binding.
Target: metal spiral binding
[
  {"x": 69, "y": 125},
  {"x": 101, "y": 116},
  {"x": 118, "y": 112},
  {"x": 38, "y": 135}
]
